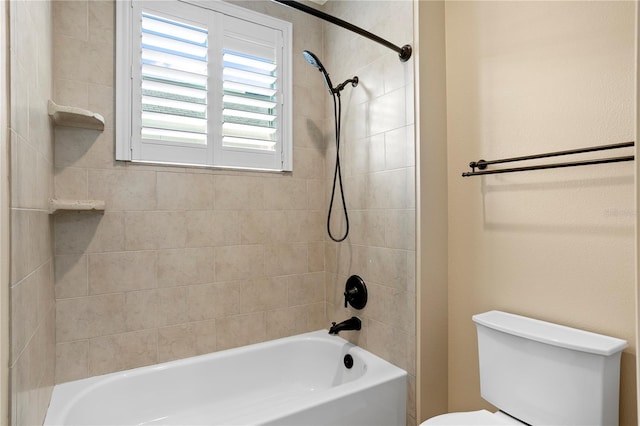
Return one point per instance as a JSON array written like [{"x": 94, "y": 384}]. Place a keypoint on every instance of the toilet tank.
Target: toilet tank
[{"x": 547, "y": 374}]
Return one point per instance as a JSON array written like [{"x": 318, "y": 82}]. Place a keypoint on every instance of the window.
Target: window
[{"x": 202, "y": 84}]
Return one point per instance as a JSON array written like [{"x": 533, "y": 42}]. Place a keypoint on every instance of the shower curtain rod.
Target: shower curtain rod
[
  {"x": 404, "y": 52},
  {"x": 482, "y": 164}
]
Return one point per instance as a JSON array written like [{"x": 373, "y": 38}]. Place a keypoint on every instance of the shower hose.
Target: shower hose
[{"x": 337, "y": 173}]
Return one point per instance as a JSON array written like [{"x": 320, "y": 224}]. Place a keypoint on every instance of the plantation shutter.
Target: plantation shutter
[
  {"x": 251, "y": 132},
  {"x": 172, "y": 93},
  {"x": 206, "y": 84}
]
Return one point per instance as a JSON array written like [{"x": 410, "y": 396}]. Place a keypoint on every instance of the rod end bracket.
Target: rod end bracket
[
  {"x": 405, "y": 53},
  {"x": 480, "y": 164}
]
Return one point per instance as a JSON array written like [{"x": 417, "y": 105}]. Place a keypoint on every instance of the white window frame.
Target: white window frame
[{"x": 217, "y": 15}]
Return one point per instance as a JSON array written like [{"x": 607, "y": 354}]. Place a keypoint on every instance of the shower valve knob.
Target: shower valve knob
[{"x": 355, "y": 292}]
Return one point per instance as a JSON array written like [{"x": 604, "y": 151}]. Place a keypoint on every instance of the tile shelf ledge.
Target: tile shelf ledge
[
  {"x": 74, "y": 117},
  {"x": 59, "y": 206}
]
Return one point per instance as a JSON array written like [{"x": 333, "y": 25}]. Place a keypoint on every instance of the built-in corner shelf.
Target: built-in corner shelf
[
  {"x": 60, "y": 206},
  {"x": 75, "y": 117}
]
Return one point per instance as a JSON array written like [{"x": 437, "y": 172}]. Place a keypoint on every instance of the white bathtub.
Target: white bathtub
[{"x": 299, "y": 380}]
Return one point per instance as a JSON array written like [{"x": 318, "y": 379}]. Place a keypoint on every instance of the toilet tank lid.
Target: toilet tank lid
[{"x": 549, "y": 333}]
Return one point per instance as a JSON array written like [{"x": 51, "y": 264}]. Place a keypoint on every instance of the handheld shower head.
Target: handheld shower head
[
  {"x": 337, "y": 108},
  {"x": 314, "y": 61}
]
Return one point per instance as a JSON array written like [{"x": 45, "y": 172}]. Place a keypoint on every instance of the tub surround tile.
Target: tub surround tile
[
  {"x": 239, "y": 262},
  {"x": 285, "y": 259},
  {"x": 315, "y": 257},
  {"x": 179, "y": 267},
  {"x": 72, "y": 361},
  {"x": 185, "y": 191},
  {"x": 362, "y": 222},
  {"x": 32, "y": 298},
  {"x": 101, "y": 99},
  {"x": 357, "y": 192},
  {"x": 123, "y": 189},
  {"x": 32, "y": 375},
  {"x": 46, "y": 290},
  {"x": 398, "y": 148},
  {"x": 32, "y": 312},
  {"x": 315, "y": 194},
  {"x": 309, "y": 164},
  {"x": 208, "y": 228},
  {"x": 389, "y": 344},
  {"x": 387, "y": 266},
  {"x": 188, "y": 261},
  {"x": 101, "y": 20},
  {"x": 84, "y": 148},
  {"x": 261, "y": 227},
  {"x": 306, "y": 290},
  {"x": 30, "y": 240},
  {"x": 399, "y": 229},
  {"x": 379, "y": 174},
  {"x": 295, "y": 320},
  {"x": 302, "y": 226},
  {"x": 24, "y": 298},
  {"x": 25, "y": 190},
  {"x": 186, "y": 340},
  {"x": 71, "y": 92},
  {"x": 367, "y": 155},
  {"x": 263, "y": 294},
  {"x": 71, "y": 184},
  {"x": 238, "y": 193},
  {"x": 101, "y": 69},
  {"x": 411, "y": 397},
  {"x": 240, "y": 330},
  {"x": 70, "y": 61},
  {"x": 122, "y": 351},
  {"x": 147, "y": 309},
  {"x": 285, "y": 194},
  {"x": 155, "y": 230},
  {"x": 388, "y": 190},
  {"x": 209, "y": 301},
  {"x": 86, "y": 317},
  {"x": 141, "y": 309},
  {"x": 172, "y": 306},
  {"x": 41, "y": 238},
  {"x": 122, "y": 271},
  {"x": 77, "y": 233},
  {"x": 70, "y": 18},
  {"x": 20, "y": 246}
]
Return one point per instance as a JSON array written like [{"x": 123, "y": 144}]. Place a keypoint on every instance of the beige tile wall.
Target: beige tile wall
[
  {"x": 32, "y": 282},
  {"x": 377, "y": 156},
  {"x": 183, "y": 261}
]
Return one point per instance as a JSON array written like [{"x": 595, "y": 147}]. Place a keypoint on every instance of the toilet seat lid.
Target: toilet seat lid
[{"x": 471, "y": 418}]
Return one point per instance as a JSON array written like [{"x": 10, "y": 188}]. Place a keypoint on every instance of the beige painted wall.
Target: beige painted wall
[
  {"x": 5, "y": 213},
  {"x": 32, "y": 301},
  {"x": 532, "y": 77},
  {"x": 637, "y": 132},
  {"x": 431, "y": 131}
]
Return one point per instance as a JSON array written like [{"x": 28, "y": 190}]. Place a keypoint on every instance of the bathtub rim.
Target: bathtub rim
[{"x": 66, "y": 395}]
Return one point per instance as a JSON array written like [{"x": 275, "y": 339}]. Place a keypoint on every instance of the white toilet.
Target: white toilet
[{"x": 542, "y": 374}]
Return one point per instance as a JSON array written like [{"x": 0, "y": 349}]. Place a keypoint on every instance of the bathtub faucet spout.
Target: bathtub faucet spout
[{"x": 352, "y": 323}]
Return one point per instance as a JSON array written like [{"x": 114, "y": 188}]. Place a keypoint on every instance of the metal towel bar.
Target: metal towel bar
[{"x": 482, "y": 164}]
